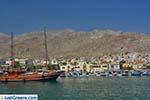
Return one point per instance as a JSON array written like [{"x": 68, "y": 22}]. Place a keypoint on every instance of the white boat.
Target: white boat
[
  {"x": 69, "y": 74},
  {"x": 125, "y": 73},
  {"x": 109, "y": 74},
  {"x": 119, "y": 73},
  {"x": 80, "y": 74},
  {"x": 86, "y": 74},
  {"x": 103, "y": 73},
  {"x": 146, "y": 73},
  {"x": 98, "y": 74},
  {"x": 75, "y": 74}
]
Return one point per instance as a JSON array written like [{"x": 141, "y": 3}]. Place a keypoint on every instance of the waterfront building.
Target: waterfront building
[
  {"x": 83, "y": 66},
  {"x": 64, "y": 67},
  {"x": 96, "y": 68},
  {"x": 29, "y": 62},
  {"x": 36, "y": 62},
  {"x": 21, "y": 61},
  {"x": 72, "y": 65},
  {"x": 3, "y": 62},
  {"x": 103, "y": 66},
  {"x": 54, "y": 62},
  {"x": 67, "y": 66},
  {"x": 127, "y": 65},
  {"x": 138, "y": 65},
  {"x": 114, "y": 66}
]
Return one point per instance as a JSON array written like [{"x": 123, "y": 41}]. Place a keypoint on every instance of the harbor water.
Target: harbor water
[{"x": 92, "y": 88}]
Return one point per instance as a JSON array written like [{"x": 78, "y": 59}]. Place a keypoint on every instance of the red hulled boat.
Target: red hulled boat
[{"x": 17, "y": 76}]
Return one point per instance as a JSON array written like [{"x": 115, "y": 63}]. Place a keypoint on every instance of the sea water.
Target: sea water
[{"x": 92, "y": 88}]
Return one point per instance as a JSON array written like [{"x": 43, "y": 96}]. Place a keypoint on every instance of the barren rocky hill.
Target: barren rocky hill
[{"x": 69, "y": 43}]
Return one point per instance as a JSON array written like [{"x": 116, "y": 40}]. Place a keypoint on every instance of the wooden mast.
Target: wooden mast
[
  {"x": 12, "y": 51},
  {"x": 12, "y": 46},
  {"x": 45, "y": 43}
]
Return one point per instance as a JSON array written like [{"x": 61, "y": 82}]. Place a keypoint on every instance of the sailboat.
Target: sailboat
[{"x": 16, "y": 75}]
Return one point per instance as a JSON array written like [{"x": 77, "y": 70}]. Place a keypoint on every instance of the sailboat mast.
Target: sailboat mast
[
  {"x": 45, "y": 43},
  {"x": 12, "y": 51},
  {"x": 12, "y": 46}
]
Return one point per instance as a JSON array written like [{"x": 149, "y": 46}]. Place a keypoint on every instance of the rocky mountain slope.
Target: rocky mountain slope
[{"x": 69, "y": 43}]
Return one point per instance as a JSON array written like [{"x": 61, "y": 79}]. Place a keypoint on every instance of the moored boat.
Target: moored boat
[
  {"x": 103, "y": 73},
  {"x": 125, "y": 73},
  {"x": 146, "y": 73},
  {"x": 109, "y": 74},
  {"x": 80, "y": 74},
  {"x": 86, "y": 74},
  {"x": 75, "y": 74},
  {"x": 98, "y": 73},
  {"x": 17, "y": 76},
  {"x": 119, "y": 73},
  {"x": 69, "y": 74},
  {"x": 136, "y": 73},
  {"x": 63, "y": 75}
]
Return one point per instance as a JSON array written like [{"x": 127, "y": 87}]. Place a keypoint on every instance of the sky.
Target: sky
[{"x": 20, "y": 16}]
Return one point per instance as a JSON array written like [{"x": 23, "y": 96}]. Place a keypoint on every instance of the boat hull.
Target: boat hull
[{"x": 31, "y": 77}]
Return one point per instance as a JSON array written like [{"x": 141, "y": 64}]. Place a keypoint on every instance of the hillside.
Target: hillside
[
  {"x": 69, "y": 43},
  {"x": 4, "y": 41}
]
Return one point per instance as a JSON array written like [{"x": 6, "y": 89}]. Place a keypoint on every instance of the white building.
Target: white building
[{"x": 77, "y": 66}]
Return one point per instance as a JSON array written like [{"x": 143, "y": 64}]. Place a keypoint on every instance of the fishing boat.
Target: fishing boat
[
  {"x": 69, "y": 74},
  {"x": 80, "y": 74},
  {"x": 136, "y": 73},
  {"x": 16, "y": 75},
  {"x": 104, "y": 73},
  {"x": 98, "y": 73},
  {"x": 86, "y": 74},
  {"x": 119, "y": 73},
  {"x": 63, "y": 75},
  {"x": 146, "y": 73},
  {"x": 75, "y": 75},
  {"x": 125, "y": 73},
  {"x": 109, "y": 74}
]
